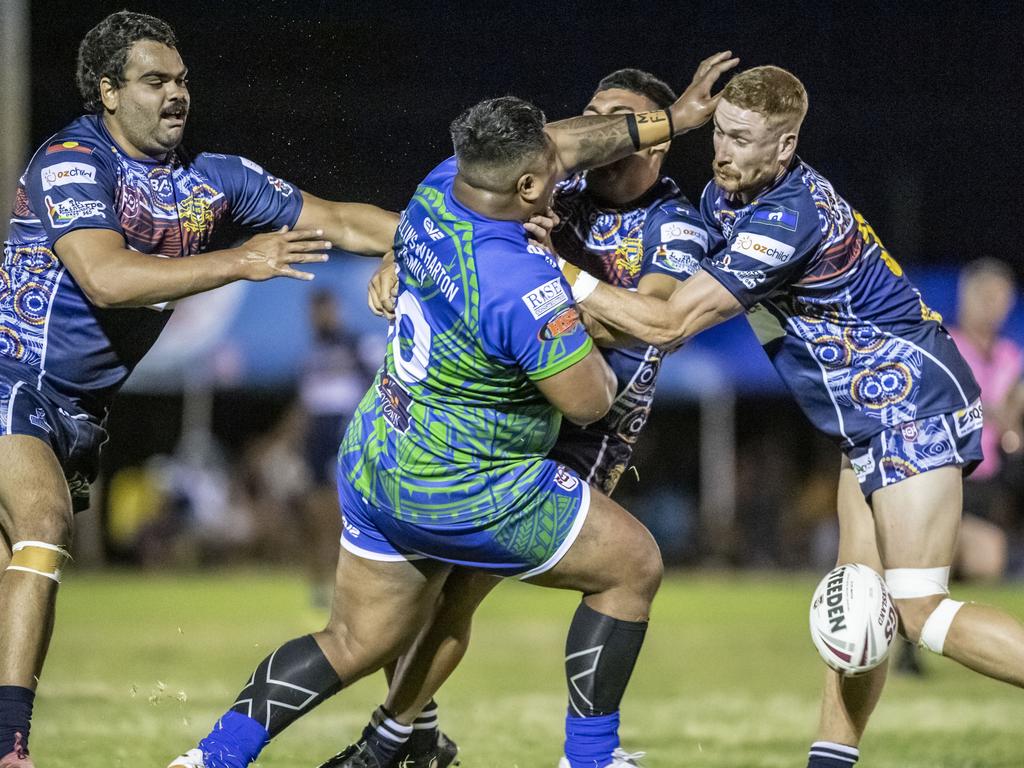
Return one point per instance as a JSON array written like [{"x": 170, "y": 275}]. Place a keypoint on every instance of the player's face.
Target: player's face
[
  {"x": 985, "y": 302},
  {"x": 151, "y": 108},
  {"x": 620, "y": 178},
  {"x": 749, "y": 152}
]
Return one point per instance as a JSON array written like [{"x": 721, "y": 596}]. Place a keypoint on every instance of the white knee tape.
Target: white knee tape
[
  {"x": 40, "y": 558},
  {"x": 908, "y": 583},
  {"x": 936, "y": 627}
]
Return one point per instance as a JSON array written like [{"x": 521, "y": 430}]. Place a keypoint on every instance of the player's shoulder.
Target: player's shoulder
[
  {"x": 788, "y": 211},
  {"x": 442, "y": 174},
  {"x": 671, "y": 204},
  {"x": 83, "y": 141},
  {"x": 508, "y": 267}
]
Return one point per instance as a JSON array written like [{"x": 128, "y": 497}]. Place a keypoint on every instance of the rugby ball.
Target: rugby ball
[{"x": 853, "y": 619}]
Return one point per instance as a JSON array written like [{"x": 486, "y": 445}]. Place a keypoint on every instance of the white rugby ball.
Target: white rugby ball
[{"x": 853, "y": 619}]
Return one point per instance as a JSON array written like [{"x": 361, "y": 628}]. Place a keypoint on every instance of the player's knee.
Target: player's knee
[
  {"x": 353, "y": 656},
  {"x": 646, "y": 567},
  {"x": 41, "y": 516},
  {"x": 921, "y": 599}
]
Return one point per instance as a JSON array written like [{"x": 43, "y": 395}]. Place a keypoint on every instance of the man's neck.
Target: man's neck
[
  {"x": 494, "y": 205},
  {"x": 748, "y": 197}
]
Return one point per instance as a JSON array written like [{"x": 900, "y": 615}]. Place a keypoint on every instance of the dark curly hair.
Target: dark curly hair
[
  {"x": 104, "y": 51},
  {"x": 495, "y": 137}
]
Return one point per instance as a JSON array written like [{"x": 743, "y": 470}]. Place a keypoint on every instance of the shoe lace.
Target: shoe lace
[{"x": 627, "y": 758}]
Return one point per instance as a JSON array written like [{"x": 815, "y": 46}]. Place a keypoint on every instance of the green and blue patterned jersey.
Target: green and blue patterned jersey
[{"x": 454, "y": 430}]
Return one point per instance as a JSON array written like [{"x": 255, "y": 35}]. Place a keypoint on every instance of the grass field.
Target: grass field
[{"x": 141, "y": 666}]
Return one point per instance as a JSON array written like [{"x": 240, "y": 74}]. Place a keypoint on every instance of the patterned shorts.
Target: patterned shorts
[
  {"x": 896, "y": 453},
  {"x": 525, "y": 541},
  {"x": 74, "y": 437}
]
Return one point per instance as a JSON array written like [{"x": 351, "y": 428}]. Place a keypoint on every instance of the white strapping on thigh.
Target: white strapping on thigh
[
  {"x": 936, "y": 627},
  {"x": 908, "y": 583}
]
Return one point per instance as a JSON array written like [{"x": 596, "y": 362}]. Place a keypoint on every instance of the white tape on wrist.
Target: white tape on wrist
[{"x": 583, "y": 287}]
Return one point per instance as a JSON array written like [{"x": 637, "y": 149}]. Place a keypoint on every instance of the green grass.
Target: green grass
[{"x": 140, "y": 667}]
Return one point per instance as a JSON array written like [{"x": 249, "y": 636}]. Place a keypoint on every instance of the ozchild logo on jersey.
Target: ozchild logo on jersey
[
  {"x": 765, "y": 249},
  {"x": 67, "y": 173}
]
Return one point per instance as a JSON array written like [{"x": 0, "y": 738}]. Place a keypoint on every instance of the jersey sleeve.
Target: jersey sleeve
[
  {"x": 255, "y": 198},
  {"x": 528, "y": 318},
  {"x": 70, "y": 186},
  {"x": 675, "y": 241},
  {"x": 771, "y": 249}
]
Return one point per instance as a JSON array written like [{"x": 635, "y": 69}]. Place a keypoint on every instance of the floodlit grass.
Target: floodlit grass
[{"x": 142, "y": 665}]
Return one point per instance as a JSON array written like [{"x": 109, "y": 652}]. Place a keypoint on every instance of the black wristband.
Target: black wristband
[{"x": 634, "y": 133}]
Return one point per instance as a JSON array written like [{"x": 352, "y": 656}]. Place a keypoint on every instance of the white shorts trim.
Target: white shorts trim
[
  {"x": 570, "y": 539},
  {"x": 381, "y": 557}
]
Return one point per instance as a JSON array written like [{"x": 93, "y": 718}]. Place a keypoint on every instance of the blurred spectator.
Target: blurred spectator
[
  {"x": 987, "y": 293},
  {"x": 334, "y": 379}
]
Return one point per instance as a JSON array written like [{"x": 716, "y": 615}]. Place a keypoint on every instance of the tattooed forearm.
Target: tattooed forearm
[{"x": 591, "y": 140}]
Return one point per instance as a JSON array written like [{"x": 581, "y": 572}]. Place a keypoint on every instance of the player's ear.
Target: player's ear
[
  {"x": 529, "y": 187},
  {"x": 787, "y": 147},
  {"x": 110, "y": 94}
]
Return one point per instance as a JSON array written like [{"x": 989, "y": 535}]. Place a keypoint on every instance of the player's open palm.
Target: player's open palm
[
  {"x": 272, "y": 254},
  {"x": 696, "y": 105}
]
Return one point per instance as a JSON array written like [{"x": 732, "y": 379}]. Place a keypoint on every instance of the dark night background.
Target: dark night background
[{"x": 915, "y": 107}]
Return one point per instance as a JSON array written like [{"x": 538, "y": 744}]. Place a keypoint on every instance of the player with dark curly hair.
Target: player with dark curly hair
[{"x": 111, "y": 224}]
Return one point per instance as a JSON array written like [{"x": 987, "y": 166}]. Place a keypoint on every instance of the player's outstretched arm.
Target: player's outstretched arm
[
  {"x": 584, "y": 391},
  {"x": 694, "y": 305},
  {"x": 112, "y": 275},
  {"x": 594, "y": 140},
  {"x": 354, "y": 227}
]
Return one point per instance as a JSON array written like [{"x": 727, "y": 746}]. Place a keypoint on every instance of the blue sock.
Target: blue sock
[
  {"x": 234, "y": 742},
  {"x": 590, "y": 741},
  {"x": 827, "y": 754},
  {"x": 15, "y": 716}
]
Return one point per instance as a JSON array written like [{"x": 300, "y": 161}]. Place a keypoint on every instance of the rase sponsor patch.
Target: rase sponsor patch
[
  {"x": 67, "y": 173},
  {"x": 765, "y": 249},
  {"x": 545, "y": 298}
]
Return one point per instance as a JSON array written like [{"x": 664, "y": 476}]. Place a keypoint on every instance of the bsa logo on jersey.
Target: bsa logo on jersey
[
  {"x": 280, "y": 185},
  {"x": 777, "y": 216},
  {"x": 767, "y": 250},
  {"x": 675, "y": 261},
  {"x": 62, "y": 214},
  {"x": 545, "y": 298},
  {"x": 562, "y": 324},
  {"x": 565, "y": 479},
  {"x": 67, "y": 173},
  {"x": 680, "y": 230},
  {"x": 969, "y": 419},
  {"x": 864, "y": 465}
]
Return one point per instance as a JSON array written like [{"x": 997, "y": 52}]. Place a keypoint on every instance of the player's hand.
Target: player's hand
[
  {"x": 540, "y": 225},
  {"x": 273, "y": 254},
  {"x": 383, "y": 288},
  {"x": 696, "y": 106}
]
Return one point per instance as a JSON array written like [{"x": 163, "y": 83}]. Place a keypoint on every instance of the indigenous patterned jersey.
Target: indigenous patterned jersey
[
  {"x": 81, "y": 179},
  {"x": 454, "y": 431},
  {"x": 661, "y": 233},
  {"x": 848, "y": 333}
]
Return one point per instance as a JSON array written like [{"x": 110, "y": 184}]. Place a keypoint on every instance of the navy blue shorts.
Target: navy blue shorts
[
  {"x": 74, "y": 436},
  {"x": 896, "y": 453}
]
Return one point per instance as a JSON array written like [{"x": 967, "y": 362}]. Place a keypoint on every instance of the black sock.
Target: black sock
[
  {"x": 600, "y": 653},
  {"x": 287, "y": 684},
  {"x": 384, "y": 737},
  {"x": 15, "y": 717},
  {"x": 424, "y": 728}
]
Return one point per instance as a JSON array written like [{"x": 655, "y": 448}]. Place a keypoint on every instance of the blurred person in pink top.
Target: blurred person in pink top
[{"x": 987, "y": 293}]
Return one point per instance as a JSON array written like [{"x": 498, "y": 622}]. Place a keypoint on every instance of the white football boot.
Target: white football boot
[
  {"x": 191, "y": 759},
  {"x": 620, "y": 759}
]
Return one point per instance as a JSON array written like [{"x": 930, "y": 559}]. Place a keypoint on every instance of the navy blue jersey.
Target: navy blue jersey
[
  {"x": 81, "y": 179},
  {"x": 848, "y": 333},
  {"x": 662, "y": 233}
]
